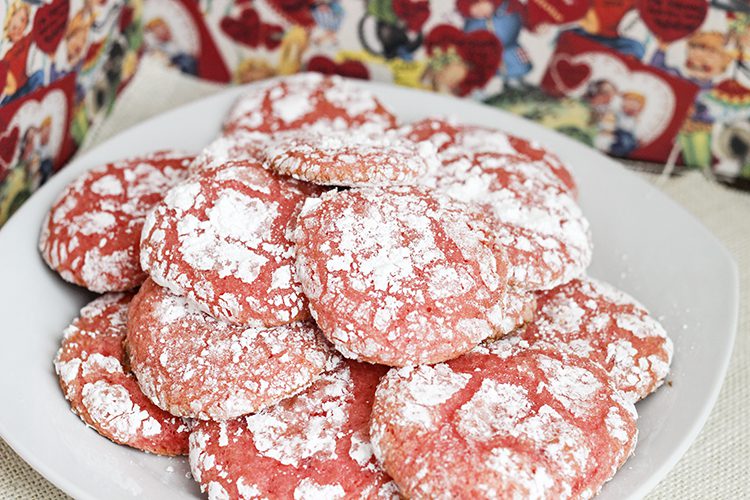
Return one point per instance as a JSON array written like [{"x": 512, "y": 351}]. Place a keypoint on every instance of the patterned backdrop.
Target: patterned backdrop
[{"x": 654, "y": 80}]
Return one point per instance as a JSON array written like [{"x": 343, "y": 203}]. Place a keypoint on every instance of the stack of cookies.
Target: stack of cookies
[{"x": 326, "y": 304}]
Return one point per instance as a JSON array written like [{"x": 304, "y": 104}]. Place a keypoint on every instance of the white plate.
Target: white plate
[{"x": 644, "y": 243}]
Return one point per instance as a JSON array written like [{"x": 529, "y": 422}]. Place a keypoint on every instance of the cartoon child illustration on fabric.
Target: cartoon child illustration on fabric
[
  {"x": 602, "y": 24},
  {"x": 398, "y": 27},
  {"x": 328, "y": 15},
  {"x": 631, "y": 106},
  {"x": 17, "y": 34},
  {"x": 615, "y": 116},
  {"x": 504, "y": 18},
  {"x": 445, "y": 71},
  {"x": 601, "y": 97},
  {"x": 158, "y": 37},
  {"x": 253, "y": 69},
  {"x": 75, "y": 45},
  {"x": 706, "y": 60},
  {"x": 293, "y": 46},
  {"x": 459, "y": 63}
]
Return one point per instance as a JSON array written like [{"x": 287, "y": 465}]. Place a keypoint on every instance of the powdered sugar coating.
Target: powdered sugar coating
[
  {"x": 592, "y": 319},
  {"x": 446, "y": 133},
  {"x": 399, "y": 275},
  {"x": 91, "y": 234},
  {"x": 101, "y": 389},
  {"x": 240, "y": 145},
  {"x": 221, "y": 239},
  {"x": 516, "y": 309},
  {"x": 313, "y": 445},
  {"x": 537, "y": 218},
  {"x": 531, "y": 424},
  {"x": 308, "y": 99},
  {"x": 350, "y": 158},
  {"x": 193, "y": 365}
]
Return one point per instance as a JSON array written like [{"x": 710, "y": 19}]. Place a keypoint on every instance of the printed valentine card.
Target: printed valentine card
[
  {"x": 175, "y": 30},
  {"x": 633, "y": 110},
  {"x": 34, "y": 142}
]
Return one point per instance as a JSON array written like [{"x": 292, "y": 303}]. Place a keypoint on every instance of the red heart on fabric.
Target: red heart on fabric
[
  {"x": 249, "y": 30},
  {"x": 414, "y": 13},
  {"x": 350, "y": 69},
  {"x": 569, "y": 75},
  {"x": 297, "y": 12},
  {"x": 481, "y": 51},
  {"x": 552, "y": 12},
  {"x": 673, "y": 20},
  {"x": 49, "y": 25},
  {"x": 8, "y": 144}
]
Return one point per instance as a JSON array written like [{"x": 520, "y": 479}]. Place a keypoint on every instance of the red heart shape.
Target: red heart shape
[
  {"x": 49, "y": 25},
  {"x": 350, "y": 69},
  {"x": 297, "y": 12},
  {"x": 249, "y": 30},
  {"x": 414, "y": 13},
  {"x": 570, "y": 74},
  {"x": 672, "y": 20},
  {"x": 8, "y": 143},
  {"x": 551, "y": 12},
  {"x": 245, "y": 30},
  {"x": 480, "y": 51}
]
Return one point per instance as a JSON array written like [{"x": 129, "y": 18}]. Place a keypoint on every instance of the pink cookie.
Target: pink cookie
[
  {"x": 502, "y": 422},
  {"x": 350, "y": 158},
  {"x": 308, "y": 99},
  {"x": 537, "y": 218},
  {"x": 312, "y": 446},
  {"x": 240, "y": 145},
  {"x": 516, "y": 309},
  {"x": 221, "y": 239},
  {"x": 195, "y": 366},
  {"x": 96, "y": 380},
  {"x": 445, "y": 134},
  {"x": 594, "y": 320},
  {"x": 91, "y": 233},
  {"x": 399, "y": 275}
]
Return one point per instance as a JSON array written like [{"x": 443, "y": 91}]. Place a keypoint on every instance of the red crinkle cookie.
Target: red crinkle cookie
[
  {"x": 308, "y": 99},
  {"x": 594, "y": 320},
  {"x": 193, "y": 365},
  {"x": 91, "y": 233},
  {"x": 445, "y": 134},
  {"x": 96, "y": 380},
  {"x": 399, "y": 275},
  {"x": 312, "y": 446},
  {"x": 537, "y": 219},
  {"x": 516, "y": 309},
  {"x": 221, "y": 239},
  {"x": 502, "y": 422},
  {"x": 240, "y": 145},
  {"x": 350, "y": 158}
]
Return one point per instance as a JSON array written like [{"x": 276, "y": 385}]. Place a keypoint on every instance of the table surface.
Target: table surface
[{"x": 717, "y": 465}]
